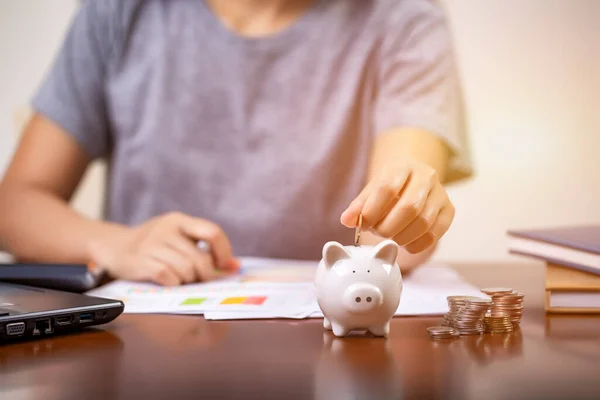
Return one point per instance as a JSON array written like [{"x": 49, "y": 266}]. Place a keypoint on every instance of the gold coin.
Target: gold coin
[{"x": 358, "y": 230}]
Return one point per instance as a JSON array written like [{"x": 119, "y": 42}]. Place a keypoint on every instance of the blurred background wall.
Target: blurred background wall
[{"x": 531, "y": 77}]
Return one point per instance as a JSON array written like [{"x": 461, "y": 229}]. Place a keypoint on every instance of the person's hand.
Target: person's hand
[
  {"x": 163, "y": 250},
  {"x": 405, "y": 202}
]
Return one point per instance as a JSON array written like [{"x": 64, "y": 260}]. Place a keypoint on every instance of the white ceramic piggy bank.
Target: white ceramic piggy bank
[{"x": 359, "y": 287}]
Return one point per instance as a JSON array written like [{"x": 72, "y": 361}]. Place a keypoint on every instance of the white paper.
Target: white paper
[
  {"x": 425, "y": 292},
  {"x": 271, "y": 288},
  {"x": 215, "y": 296}
]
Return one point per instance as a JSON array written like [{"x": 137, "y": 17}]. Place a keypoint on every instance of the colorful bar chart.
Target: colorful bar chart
[
  {"x": 193, "y": 301},
  {"x": 237, "y": 300},
  {"x": 250, "y": 300}
]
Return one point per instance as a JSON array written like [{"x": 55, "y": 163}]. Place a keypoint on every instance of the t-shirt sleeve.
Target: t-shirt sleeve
[
  {"x": 418, "y": 81},
  {"x": 72, "y": 94}
]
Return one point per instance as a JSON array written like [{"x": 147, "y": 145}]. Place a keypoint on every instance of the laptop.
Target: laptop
[{"x": 28, "y": 312}]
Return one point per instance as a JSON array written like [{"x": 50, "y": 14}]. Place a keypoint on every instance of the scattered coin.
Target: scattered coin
[{"x": 442, "y": 332}]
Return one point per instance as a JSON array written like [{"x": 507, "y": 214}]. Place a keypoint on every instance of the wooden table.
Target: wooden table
[{"x": 172, "y": 357}]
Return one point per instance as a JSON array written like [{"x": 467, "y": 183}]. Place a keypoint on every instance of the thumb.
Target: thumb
[{"x": 349, "y": 217}]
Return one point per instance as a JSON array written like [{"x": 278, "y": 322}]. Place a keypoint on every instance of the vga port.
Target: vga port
[{"x": 17, "y": 328}]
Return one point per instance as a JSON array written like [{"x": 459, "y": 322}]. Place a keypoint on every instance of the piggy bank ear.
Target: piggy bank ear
[
  {"x": 387, "y": 251},
  {"x": 334, "y": 252}
]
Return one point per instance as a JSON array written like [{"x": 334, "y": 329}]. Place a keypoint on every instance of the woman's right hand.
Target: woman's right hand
[{"x": 163, "y": 250}]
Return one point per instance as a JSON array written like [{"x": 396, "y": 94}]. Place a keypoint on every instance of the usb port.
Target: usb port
[
  {"x": 64, "y": 320},
  {"x": 87, "y": 317},
  {"x": 17, "y": 328}
]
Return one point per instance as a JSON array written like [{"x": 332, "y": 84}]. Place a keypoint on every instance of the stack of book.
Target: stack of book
[{"x": 572, "y": 258}]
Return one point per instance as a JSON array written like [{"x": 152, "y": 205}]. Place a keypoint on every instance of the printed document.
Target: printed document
[{"x": 271, "y": 288}]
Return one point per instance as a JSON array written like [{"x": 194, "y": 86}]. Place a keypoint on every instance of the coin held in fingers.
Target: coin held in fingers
[{"x": 358, "y": 230}]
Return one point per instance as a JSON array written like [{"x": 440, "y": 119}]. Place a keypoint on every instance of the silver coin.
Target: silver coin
[
  {"x": 497, "y": 290},
  {"x": 440, "y": 329}
]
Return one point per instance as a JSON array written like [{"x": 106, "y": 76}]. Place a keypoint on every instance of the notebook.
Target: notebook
[
  {"x": 571, "y": 291},
  {"x": 576, "y": 247}
]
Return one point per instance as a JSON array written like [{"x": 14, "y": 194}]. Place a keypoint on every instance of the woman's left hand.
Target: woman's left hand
[{"x": 405, "y": 202}]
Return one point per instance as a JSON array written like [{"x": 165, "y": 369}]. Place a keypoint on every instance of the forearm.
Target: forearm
[
  {"x": 397, "y": 146},
  {"x": 38, "y": 226}
]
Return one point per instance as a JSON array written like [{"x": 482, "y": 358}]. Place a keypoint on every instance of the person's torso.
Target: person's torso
[{"x": 267, "y": 137}]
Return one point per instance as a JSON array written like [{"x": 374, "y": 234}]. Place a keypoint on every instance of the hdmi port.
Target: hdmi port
[{"x": 64, "y": 320}]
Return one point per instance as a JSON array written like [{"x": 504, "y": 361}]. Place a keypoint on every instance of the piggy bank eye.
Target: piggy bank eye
[
  {"x": 368, "y": 270},
  {"x": 353, "y": 272}
]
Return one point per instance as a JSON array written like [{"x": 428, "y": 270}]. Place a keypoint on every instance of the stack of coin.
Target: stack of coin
[
  {"x": 506, "y": 301},
  {"x": 497, "y": 323},
  {"x": 469, "y": 320},
  {"x": 455, "y": 303},
  {"x": 442, "y": 332}
]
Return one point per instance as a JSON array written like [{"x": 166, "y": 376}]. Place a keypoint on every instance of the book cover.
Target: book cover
[
  {"x": 583, "y": 238},
  {"x": 576, "y": 247},
  {"x": 559, "y": 277}
]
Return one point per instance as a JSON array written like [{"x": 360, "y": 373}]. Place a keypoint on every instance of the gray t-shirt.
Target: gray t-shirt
[{"x": 268, "y": 137}]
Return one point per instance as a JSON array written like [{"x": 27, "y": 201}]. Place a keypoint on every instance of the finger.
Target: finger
[
  {"x": 160, "y": 273},
  {"x": 383, "y": 195},
  {"x": 425, "y": 220},
  {"x": 439, "y": 229},
  {"x": 202, "y": 262},
  {"x": 182, "y": 266},
  {"x": 421, "y": 244},
  {"x": 233, "y": 264},
  {"x": 410, "y": 205},
  {"x": 349, "y": 217},
  {"x": 204, "y": 230},
  {"x": 205, "y": 269},
  {"x": 187, "y": 249}
]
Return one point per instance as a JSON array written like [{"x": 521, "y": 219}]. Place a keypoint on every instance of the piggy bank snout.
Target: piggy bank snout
[{"x": 362, "y": 297}]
